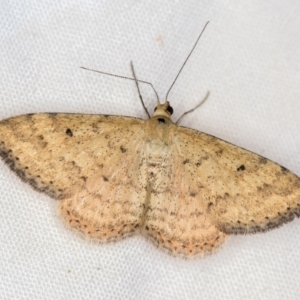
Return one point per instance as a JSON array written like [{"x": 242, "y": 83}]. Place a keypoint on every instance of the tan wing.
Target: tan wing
[
  {"x": 89, "y": 162},
  {"x": 175, "y": 217},
  {"x": 241, "y": 192}
]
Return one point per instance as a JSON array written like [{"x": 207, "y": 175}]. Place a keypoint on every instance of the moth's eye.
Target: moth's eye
[
  {"x": 155, "y": 108},
  {"x": 170, "y": 110}
]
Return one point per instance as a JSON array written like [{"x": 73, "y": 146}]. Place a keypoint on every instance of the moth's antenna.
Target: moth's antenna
[
  {"x": 186, "y": 60},
  {"x": 189, "y": 111},
  {"x": 138, "y": 88},
  {"x": 124, "y": 77}
]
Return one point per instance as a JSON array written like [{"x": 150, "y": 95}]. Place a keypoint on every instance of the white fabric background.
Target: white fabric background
[{"x": 248, "y": 58}]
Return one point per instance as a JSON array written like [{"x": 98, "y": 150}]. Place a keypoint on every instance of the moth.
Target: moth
[{"x": 115, "y": 177}]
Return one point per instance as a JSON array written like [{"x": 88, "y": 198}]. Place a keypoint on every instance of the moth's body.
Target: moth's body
[{"x": 117, "y": 176}]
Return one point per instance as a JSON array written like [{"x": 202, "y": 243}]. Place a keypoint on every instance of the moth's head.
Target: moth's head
[{"x": 163, "y": 110}]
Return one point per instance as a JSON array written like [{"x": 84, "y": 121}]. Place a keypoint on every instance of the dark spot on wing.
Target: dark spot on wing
[
  {"x": 20, "y": 173},
  {"x": 161, "y": 120},
  {"x": 241, "y": 168},
  {"x": 219, "y": 152},
  {"x": 105, "y": 178},
  {"x": 263, "y": 160},
  {"x": 69, "y": 132},
  {"x": 198, "y": 163},
  {"x": 186, "y": 161},
  {"x": 123, "y": 150}
]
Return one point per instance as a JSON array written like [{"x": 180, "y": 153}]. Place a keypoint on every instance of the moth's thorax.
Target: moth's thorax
[
  {"x": 159, "y": 129},
  {"x": 160, "y": 134}
]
